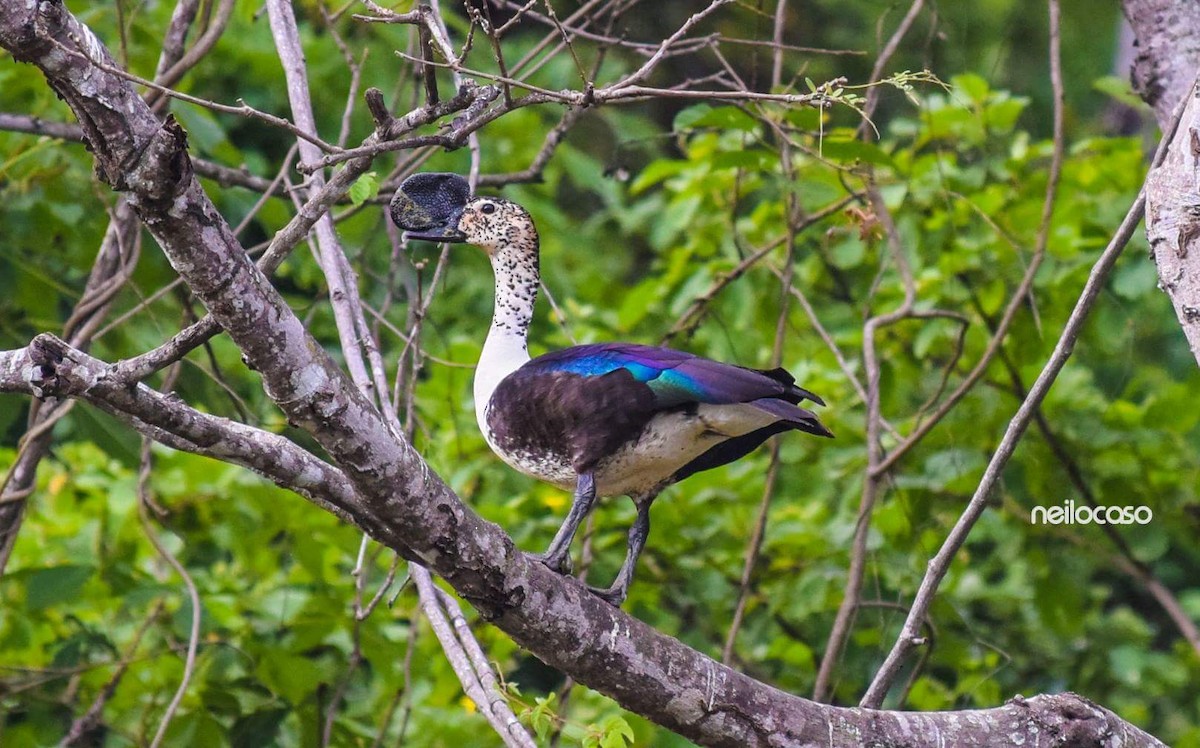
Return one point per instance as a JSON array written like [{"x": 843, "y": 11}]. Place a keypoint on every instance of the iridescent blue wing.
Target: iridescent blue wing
[{"x": 675, "y": 377}]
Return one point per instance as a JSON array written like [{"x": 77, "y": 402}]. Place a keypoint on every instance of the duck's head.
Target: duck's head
[{"x": 439, "y": 207}]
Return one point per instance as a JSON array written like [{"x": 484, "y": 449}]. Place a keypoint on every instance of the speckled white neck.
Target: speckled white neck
[{"x": 506, "y": 348}]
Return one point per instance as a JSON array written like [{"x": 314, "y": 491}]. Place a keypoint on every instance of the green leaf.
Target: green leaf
[
  {"x": 637, "y": 303},
  {"x": 1120, "y": 88},
  {"x": 66, "y": 212},
  {"x": 655, "y": 172},
  {"x": 848, "y": 253},
  {"x": 1002, "y": 115},
  {"x": 291, "y": 676},
  {"x": 364, "y": 188},
  {"x": 204, "y": 132},
  {"x": 1135, "y": 278},
  {"x": 55, "y": 584},
  {"x": 726, "y": 118},
  {"x": 617, "y": 733},
  {"x": 849, "y": 150},
  {"x": 257, "y": 729},
  {"x": 543, "y": 722},
  {"x": 753, "y": 159},
  {"x": 542, "y": 716},
  {"x": 687, "y": 117},
  {"x": 972, "y": 86}
]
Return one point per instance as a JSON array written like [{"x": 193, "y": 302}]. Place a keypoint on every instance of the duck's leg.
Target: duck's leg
[
  {"x": 615, "y": 595},
  {"x": 557, "y": 555}
]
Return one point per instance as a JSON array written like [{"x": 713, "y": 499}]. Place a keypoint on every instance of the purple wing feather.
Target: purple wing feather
[
  {"x": 676, "y": 377},
  {"x": 799, "y": 418}
]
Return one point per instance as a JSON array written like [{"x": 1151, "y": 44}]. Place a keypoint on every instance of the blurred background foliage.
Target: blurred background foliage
[{"x": 642, "y": 209}]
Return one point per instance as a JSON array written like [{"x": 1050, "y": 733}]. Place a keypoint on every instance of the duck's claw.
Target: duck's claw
[
  {"x": 560, "y": 564},
  {"x": 614, "y": 595}
]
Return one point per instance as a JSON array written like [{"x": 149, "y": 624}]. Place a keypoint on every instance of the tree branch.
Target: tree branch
[
  {"x": 1168, "y": 51},
  {"x": 1168, "y": 43},
  {"x": 48, "y": 367},
  {"x": 112, "y": 267},
  {"x": 939, "y": 565},
  {"x": 397, "y": 498}
]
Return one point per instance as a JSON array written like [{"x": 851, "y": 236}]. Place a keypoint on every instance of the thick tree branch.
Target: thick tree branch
[
  {"x": 50, "y": 368},
  {"x": 296, "y": 229},
  {"x": 358, "y": 345},
  {"x": 114, "y": 263},
  {"x": 1173, "y": 222},
  {"x": 404, "y": 505},
  {"x": 1168, "y": 44},
  {"x": 1168, "y": 51},
  {"x": 223, "y": 175}
]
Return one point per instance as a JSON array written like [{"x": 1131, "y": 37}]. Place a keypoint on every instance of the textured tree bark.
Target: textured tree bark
[
  {"x": 1167, "y": 51},
  {"x": 49, "y": 367},
  {"x": 1164, "y": 74},
  {"x": 395, "y": 496}
]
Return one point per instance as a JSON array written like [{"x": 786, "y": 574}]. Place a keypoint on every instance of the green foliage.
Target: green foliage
[
  {"x": 963, "y": 169},
  {"x": 966, "y": 188},
  {"x": 364, "y": 188}
]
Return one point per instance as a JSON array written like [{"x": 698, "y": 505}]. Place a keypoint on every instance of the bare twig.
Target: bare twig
[
  {"x": 339, "y": 693},
  {"x": 847, "y": 370},
  {"x": 691, "y": 317},
  {"x": 1020, "y": 295},
  {"x": 511, "y": 732},
  {"x": 777, "y": 41},
  {"x": 114, "y": 263},
  {"x": 794, "y": 212},
  {"x": 484, "y": 19},
  {"x": 289, "y": 236},
  {"x": 871, "y": 486},
  {"x": 144, "y": 503},
  {"x": 243, "y": 109},
  {"x": 171, "y": 67},
  {"x": 630, "y": 92},
  {"x": 1125, "y": 560},
  {"x": 649, "y": 65},
  {"x": 222, "y": 175},
  {"x": 343, "y": 288},
  {"x": 363, "y": 612},
  {"x": 584, "y": 13},
  {"x": 534, "y": 172},
  {"x": 939, "y": 565},
  {"x": 176, "y": 35},
  {"x": 271, "y": 189},
  {"x": 91, "y": 718},
  {"x": 583, "y": 74},
  {"x": 885, "y": 56}
]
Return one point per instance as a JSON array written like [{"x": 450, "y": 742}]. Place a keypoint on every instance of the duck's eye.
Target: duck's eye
[{"x": 487, "y": 208}]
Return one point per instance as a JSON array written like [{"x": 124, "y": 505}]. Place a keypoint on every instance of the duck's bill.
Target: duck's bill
[
  {"x": 428, "y": 206},
  {"x": 438, "y": 234}
]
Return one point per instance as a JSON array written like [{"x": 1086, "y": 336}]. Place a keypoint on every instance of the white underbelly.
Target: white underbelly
[{"x": 669, "y": 442}]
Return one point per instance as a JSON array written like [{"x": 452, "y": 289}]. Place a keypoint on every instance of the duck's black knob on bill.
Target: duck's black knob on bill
[{"x": 428, "y": 205}]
